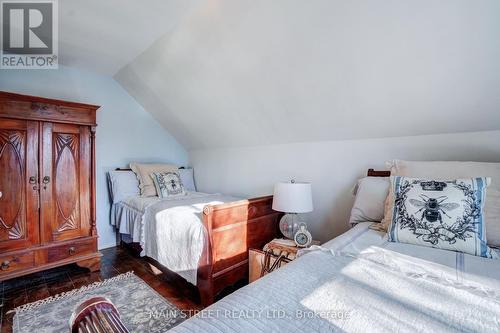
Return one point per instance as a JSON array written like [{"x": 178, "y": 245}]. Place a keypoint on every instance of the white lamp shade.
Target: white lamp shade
[{"x": 292, "y": 198}]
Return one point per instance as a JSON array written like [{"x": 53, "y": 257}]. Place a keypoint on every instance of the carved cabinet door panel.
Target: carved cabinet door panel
[
  {"x": 65, "y": 181},
  {"x": 18, "y": 184}
]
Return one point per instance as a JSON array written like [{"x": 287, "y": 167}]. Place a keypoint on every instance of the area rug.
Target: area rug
[{"x": 141, "y": 308}]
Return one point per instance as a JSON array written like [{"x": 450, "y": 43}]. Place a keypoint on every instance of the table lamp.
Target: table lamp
[{"x": 292, "y": 198}]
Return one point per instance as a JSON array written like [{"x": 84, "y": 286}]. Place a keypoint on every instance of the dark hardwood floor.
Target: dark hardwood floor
[{"x": 115, "y": 261}]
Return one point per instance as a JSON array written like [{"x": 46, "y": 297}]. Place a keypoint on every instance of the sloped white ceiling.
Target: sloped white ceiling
[
  {"x": 253, "y": 72},
  {"x": 105, "y": 35}
]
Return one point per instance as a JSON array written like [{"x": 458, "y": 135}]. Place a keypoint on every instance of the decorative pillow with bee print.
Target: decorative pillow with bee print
[
  {"x": 168, "y": 184},
  {"x": 442, "y": 214}
]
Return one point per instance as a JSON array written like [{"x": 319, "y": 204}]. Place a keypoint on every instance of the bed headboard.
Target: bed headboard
[
  {"x": 128, "y": 169},
  {"x": 370, "y": 173},
  {"x": 376, "y": 173}
]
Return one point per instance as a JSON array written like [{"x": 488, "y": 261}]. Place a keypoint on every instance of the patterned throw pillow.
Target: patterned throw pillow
[
  {"x": 441, "y": 214},
  {"x": 168, "y": 184}
]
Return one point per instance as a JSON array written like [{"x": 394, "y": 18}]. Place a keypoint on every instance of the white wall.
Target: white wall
[
  {"x": 331, "y": 166},
  {"x": 258, "y": 72},
  {"x": 125, "y": 132}
]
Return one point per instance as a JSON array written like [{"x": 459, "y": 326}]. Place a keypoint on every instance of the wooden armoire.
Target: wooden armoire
[{"x": 47, "y": 185}]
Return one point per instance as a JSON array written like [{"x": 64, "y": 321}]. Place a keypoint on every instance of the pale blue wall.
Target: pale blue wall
[{"x": 125, "y": 132}]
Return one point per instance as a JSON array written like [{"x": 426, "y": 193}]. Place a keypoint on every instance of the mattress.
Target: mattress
[
  {"x": 169, "y": 230},
  {"x": 360, "y": 282},
  {"x": 127, "y": 215}
]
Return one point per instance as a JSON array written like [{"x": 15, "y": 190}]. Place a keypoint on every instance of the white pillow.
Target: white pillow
[
  {"x": 187, "y": 179},
  {"x": 492, "y": 217},
  {"x": 123, "y": 184},
  {"x": 144, "y": 171},
  {"x": 370, "y": 197},
  {"x": 168, "y": 184},
  {"x": 447, "y": 215},
  {"x": 446, "y": 170},
  {"x": 442, "y": 170}
]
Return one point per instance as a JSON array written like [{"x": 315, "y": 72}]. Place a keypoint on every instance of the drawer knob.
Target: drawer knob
[
  {"x": 72, "y": 250},
  {"x": 5, "y": 265}
]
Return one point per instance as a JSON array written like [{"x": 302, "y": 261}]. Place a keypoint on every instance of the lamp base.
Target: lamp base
[{"x": 290, "y": 224}]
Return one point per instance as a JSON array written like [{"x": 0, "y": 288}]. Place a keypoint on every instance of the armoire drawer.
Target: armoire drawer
[
  {"x": 12, "y": 263},
  {"x": 75, "y": 249}
]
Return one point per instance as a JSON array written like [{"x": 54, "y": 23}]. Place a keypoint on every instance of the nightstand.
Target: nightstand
[{"x": 275, "y": 254}]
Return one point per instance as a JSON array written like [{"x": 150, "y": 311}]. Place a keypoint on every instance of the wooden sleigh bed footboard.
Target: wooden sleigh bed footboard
[{"x": 232, "y": 229}]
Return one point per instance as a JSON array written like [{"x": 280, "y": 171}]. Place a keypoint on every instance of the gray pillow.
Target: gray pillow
[
  {"x": 370, "y": 198},
  {"x": 123, "y": 184},
  {"x": 187, "y": 179}
]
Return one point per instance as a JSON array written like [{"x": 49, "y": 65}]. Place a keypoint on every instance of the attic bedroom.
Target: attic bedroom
[{"x": 249, "y": 166}]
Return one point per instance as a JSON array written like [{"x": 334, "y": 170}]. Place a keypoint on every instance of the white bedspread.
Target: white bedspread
[
  {"x": 169, "y": 230},
  {"x": 359, "y": 282}
]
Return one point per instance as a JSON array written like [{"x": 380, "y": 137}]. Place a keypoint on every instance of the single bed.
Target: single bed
[
  {"x": 202, "y": 237},
  {"x": 361, "y": 282}
]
